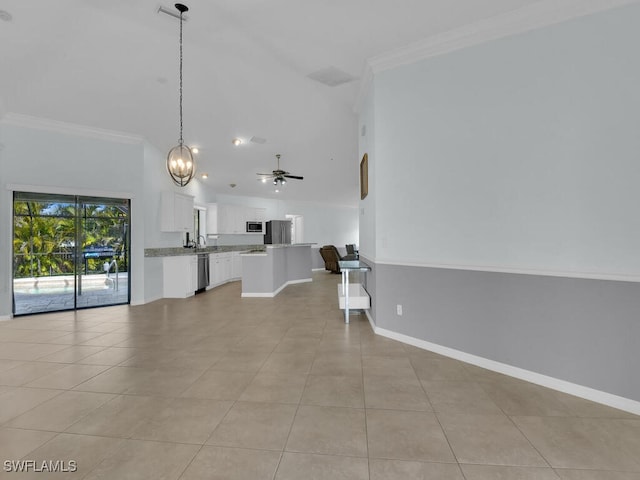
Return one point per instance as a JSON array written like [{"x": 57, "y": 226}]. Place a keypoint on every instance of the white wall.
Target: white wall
[
  {"x": 520, "y": 153},
  {"x": 61, "y": 158},
  {"x": 323, "y": 224},
  {"x": 46, "y": 156},
  {"x": 367, "y": 208}
]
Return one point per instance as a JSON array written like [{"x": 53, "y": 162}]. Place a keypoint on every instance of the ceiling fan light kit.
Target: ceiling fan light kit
[
  {"x": 278, "y": 176},
  {"x": 180, "y": 164}
]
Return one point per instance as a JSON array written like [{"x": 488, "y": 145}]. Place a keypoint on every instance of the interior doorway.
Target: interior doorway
[
  {"x": 297, "y": 228},
  {"x": 69, "y": 252}
]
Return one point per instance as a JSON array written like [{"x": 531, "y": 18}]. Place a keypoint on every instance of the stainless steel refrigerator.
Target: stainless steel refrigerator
[{"x": 278, "y": 231}]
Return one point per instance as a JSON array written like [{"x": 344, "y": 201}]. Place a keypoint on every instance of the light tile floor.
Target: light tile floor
[{"x": 219, "y": 387}]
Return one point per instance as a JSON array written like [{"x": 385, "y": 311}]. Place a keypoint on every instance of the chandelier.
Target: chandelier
[{"x": 180, "y": 163}]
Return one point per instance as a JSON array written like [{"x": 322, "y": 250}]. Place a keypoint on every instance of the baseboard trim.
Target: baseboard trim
[
  {"x": 371, "y": 321},
  {"x": 317, "y": 269},
  {"x": 273, "y": 294},
  {"x": 5, "y": 317},
  {"x": 615, "y": 401}
]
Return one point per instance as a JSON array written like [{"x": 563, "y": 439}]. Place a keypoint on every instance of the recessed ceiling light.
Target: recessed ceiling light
[
  {"x": 195, "y": 150},
  {"x": 277, "y": 191},
  {"x": 205, "y": 175},
  {"x": 236, "y": 141}
]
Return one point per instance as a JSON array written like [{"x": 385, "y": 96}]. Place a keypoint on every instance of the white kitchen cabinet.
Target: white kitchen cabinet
[
  {"x": 261, "y": 214},
  {"x": 221, "y": 268},
  {"x": 232, "y": 219},
  {"x": 236, "y": 220},
  {"x": 225, "y": 260},
  {"x": 217, "y": 273},
  {"x": 176, "y": 212},
  {"x": 212, "y": 219},
  {"x": 223, "y": 214},
  {"x": 180, "y": 276},
  {"x": 225, "y": 219},
  {"x": 216, "y": 269}
]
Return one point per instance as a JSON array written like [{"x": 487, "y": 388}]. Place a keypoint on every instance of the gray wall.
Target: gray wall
[{"x": 581, "y": 331}]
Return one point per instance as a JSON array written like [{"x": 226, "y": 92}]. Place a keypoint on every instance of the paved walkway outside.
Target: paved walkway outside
[{"x": 95, "y": 293}]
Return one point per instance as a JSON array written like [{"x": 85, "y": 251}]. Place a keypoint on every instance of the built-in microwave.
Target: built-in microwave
[{"x": 254, "y": 227}]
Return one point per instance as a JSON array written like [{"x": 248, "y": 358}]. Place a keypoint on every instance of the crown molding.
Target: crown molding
[
  {"x": 27, "y": 121},
  {"x": 536, "y": 15}
]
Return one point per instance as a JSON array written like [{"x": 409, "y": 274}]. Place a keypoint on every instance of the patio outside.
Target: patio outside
[{"x": 54, "y": 293}]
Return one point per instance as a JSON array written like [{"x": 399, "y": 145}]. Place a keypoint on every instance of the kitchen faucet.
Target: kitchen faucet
[{"x": 204, "y": 240}]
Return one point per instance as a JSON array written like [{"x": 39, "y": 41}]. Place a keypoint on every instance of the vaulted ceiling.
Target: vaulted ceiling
[{"x": 113, "y": 64}]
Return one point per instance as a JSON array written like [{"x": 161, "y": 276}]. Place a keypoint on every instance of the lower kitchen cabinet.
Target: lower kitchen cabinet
[
  {"x": 180, "y": 276},
  {"x": 224, "y": 267}
]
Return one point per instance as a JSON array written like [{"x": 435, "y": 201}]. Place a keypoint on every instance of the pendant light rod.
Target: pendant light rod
[
  {"x": 181, "y": 8},
  {"x": 180, "y": 163}
]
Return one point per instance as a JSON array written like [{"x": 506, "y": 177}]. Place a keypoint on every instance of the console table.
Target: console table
[{"x": 354, "y": 295}]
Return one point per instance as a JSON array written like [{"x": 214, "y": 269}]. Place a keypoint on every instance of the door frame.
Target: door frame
[{"x": 136, "y": 236}]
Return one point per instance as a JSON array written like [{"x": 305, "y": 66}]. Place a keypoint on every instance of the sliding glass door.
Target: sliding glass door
[{"x": 69, "y": 252}]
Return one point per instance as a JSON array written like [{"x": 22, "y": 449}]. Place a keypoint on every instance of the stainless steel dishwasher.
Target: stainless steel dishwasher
[{"x": 203, "y": 272}]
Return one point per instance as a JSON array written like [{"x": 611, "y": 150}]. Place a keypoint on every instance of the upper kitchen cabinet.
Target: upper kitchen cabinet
[
  {"x": 232, "y": 219},
  {"x": 212, "y": 219},
  {"x": 176, "y": 212},
  {"x": 259, "y": 215}
]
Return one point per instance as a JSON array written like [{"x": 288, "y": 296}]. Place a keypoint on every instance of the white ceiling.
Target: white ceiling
[{"x": 113, "y": 64}]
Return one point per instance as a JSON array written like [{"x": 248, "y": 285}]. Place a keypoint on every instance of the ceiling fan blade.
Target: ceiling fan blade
[
  {"x": 294, "y": 176},
  {"x": 266, "y": 174}
]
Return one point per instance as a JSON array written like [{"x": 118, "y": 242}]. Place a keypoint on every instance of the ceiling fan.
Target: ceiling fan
[{"x": 279, "y": 176}]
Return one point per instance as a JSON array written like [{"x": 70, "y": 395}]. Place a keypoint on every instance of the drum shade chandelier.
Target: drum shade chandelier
[{"x": 180, "y": 163}]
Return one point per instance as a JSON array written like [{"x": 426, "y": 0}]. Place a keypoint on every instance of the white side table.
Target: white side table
[{"x": 354, "y": 295}]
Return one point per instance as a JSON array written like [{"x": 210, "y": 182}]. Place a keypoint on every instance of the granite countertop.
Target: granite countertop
[
  {"x": 287, "y": 245},
  {"x": 179, "y": 251},
  {"x": 254, "y": 253}
]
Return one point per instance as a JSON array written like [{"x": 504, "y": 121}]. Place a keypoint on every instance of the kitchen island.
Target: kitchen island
[{"x": 267, "y": 272}]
